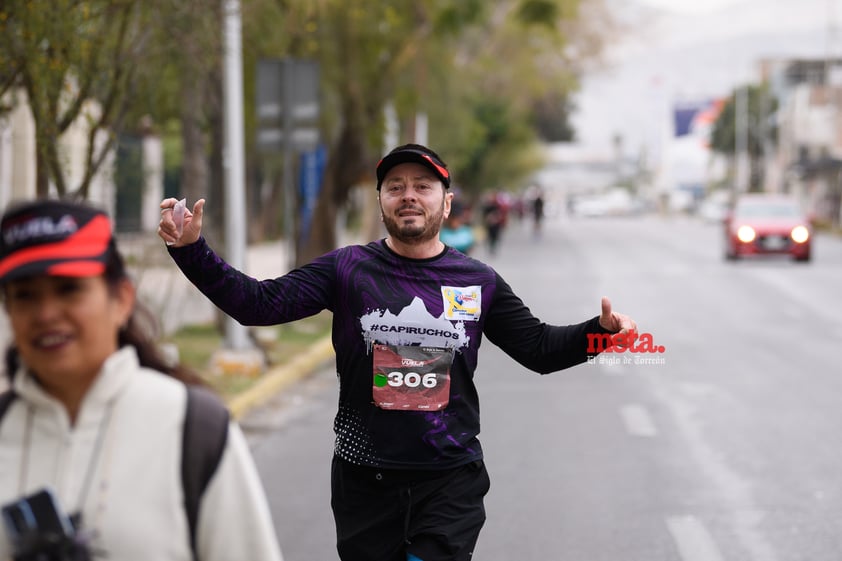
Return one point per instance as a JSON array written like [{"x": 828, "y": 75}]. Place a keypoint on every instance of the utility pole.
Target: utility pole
[
  {"x": 289, "y": 152},
  {"x": 741, "y": 156},
  {"x": 422, "y": 128},
  {"x": 391, "y": 134},
  {"x": 236, "y": 337}
]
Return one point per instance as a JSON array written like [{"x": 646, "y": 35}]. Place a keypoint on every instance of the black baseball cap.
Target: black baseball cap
[
  {"x": 415, "y": 153},
  {"x": 56, "y": 238}
]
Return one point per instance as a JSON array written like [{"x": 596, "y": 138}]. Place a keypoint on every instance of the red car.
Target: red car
[{"x": 763, "y": 224}]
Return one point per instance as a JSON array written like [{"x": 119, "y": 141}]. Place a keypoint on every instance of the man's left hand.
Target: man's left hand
[{"x": 613, "y": 321}]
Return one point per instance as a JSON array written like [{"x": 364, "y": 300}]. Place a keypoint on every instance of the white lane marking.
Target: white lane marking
[
  {"x": 638, "y": 421},
  {"x": 693, "y": 540},
  {"x": 734, "y": 490}
]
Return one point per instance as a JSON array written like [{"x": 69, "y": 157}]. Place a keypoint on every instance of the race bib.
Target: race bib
[{"x": 411, "y": 378}]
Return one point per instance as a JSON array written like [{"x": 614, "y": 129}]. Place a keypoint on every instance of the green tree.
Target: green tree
[
  {"x": 61, "y": 55},
  {"x": 366, "y": 50},
  {"x": 182, "y": 88},
  {"x": 488, "y": 73},
  {"x": 477, "y": 68},
  {"x": 760, "y": 133},
  {"x": 514, "y": 75},
  {"x": 116, "y": 63}
]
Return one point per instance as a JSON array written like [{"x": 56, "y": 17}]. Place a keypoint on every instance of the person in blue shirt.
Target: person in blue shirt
[{"x": 457, "y": 231}]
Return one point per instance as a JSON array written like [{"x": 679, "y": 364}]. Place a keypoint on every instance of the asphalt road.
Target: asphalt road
[{"x": 725, "y": 447}]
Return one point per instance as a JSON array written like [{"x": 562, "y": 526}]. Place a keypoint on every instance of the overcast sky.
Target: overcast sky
[{"x": 689, "y": 50}]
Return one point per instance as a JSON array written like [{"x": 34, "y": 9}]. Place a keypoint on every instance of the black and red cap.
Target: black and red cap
[
  {"x": 414, "y": 153},
  {"x": 56, "y": 238}
]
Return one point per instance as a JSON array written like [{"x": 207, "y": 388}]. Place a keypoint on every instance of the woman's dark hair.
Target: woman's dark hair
[{"x": 139, "y": 331}]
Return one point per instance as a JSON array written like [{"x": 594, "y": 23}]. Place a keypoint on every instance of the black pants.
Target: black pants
[{"x": 381, "y": 515}]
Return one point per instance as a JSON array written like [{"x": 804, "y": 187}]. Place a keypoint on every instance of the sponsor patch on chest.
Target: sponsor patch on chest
[{"x": 462, "y": 303}]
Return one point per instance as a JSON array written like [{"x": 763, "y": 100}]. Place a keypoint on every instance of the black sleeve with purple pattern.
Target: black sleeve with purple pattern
[{"x": 302, "y": 292}]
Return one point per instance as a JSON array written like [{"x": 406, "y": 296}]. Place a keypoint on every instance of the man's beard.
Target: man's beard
[{"x": 413, "y": 234}]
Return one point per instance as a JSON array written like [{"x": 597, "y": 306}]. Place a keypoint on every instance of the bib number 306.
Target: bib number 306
[{"x": 411, "y": 378}]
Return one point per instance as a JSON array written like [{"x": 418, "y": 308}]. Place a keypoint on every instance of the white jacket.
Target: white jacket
[{"x": 135, "y": 504}]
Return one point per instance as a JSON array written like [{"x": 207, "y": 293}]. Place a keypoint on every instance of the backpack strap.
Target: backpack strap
[
  {"x": 6, "y": 399},
  {"x": 205, "y": 434}
]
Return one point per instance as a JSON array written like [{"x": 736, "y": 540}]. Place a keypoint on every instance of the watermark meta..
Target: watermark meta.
[{"x": 641, "y": 348}]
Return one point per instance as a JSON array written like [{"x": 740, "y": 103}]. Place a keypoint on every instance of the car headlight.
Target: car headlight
[
  {"x": 746, "y": 234},
  {"x": 800, "y": 234}
]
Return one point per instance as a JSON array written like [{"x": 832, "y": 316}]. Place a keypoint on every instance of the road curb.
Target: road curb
[{"x": 277, "y": 379}]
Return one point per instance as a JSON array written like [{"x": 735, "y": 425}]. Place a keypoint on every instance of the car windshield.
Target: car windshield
[{"x": 768, "y": 210}]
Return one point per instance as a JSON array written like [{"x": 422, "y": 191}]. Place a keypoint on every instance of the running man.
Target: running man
[{"x": 409, "y": 313}]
